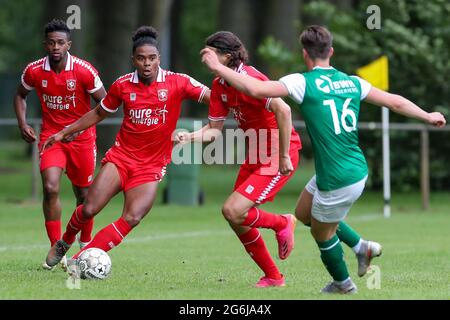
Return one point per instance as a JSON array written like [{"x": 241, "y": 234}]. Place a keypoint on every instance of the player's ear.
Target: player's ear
[
  {"x": 305, "y": 54},
  {"x": 69, "y": 44},
  {"x": 331, "y": 52}
]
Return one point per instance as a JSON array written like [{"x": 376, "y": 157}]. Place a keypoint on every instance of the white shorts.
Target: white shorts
[{"x": 333, "y": 206}]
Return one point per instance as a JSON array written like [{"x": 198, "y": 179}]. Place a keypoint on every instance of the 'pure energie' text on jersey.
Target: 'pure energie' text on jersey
[
  {"x": 64, "y": 97},
  {"x": 150, "y": 114}
]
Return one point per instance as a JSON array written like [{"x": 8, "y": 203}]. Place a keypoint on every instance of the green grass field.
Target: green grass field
[{"x": 182, "y": 252}]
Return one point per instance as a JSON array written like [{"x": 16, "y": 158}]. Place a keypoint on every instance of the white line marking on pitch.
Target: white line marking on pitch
[{"x": 193, "y": 234}]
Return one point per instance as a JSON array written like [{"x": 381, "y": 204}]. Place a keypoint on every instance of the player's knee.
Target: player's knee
[
  {"x": 231, "y": 213},
  {"x": 51, "y": 189},
  {"x": 302, "y": 216},
  {"x": 132, "y": 220},
  {"x": 89, "y": 210}
]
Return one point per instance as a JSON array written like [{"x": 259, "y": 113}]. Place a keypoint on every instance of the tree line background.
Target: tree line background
[{"x": 414, "y": 34}]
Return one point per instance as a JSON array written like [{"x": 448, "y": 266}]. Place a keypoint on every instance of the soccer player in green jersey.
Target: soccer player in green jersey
[{"x": 329, "y": 101}]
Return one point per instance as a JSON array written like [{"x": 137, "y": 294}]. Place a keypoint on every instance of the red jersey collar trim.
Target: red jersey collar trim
[
  {"x": 160, "y": 78},
  {"x": 69, "y": 63}
]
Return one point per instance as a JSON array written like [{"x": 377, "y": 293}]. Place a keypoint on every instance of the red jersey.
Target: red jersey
[
  {"x": 150, "y": 114},
  {"x": 249, "y": 112},
  {"x": 64, "y": 97}
]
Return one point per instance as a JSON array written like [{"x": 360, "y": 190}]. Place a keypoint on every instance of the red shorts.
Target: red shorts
[
  {"x": 76, "y": 157},
  {"x": 259, "y": 187},
  {"x": 131, "y": 172}
]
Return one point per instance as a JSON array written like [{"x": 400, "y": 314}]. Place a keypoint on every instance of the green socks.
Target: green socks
[
  {"x": 332, "y": 257},
  {"x": 347, "y": 235}
]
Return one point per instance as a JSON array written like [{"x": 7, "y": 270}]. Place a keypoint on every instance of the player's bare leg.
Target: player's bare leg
[
  {"x": 138, "y": 202},
  {"x": 106, "y": 185},
  {"x": 332, "y": 257},
  {"x": 364, "y": 250},
  {"x": 235, "y": 212},
  {"x": 51, "y": 206},
  {"x": 241, "y": 211}
]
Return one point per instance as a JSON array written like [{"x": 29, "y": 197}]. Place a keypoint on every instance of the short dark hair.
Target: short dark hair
[
  {"x": 317, "y": 41},
  {"x": 56, "y": 25},
  {"x": 145, "y": 35},
  {"x": 228, "y": 42}
]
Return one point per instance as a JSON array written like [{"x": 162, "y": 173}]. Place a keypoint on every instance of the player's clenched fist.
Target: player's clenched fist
[
  {"x": 28, "y": 133},
  {"x": 182, "y": 137},
  {"x": 209, "y": 58}
]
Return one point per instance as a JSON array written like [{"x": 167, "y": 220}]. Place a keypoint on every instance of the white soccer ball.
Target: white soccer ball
[{"x": 94, "y": 263}]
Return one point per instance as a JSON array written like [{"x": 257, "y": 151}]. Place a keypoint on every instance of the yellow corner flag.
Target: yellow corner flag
[{"x": 376, "y": 72}]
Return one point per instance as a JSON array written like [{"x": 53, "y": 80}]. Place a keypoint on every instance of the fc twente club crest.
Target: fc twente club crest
[
  {"x": 71, "y": 84},
  {"x": 163, "y": 94}
]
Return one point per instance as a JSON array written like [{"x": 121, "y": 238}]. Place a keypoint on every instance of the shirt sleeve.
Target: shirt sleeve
[
  {"x": 255, "y": 73},
  {"x": 217, "y": 109},
  {"x": 193, "y": 89},
  {"x": 113, "y": 100},
  {"x": 365, "y": 87},
  {"x": 91, "y": 79},
  {"x": 27, "y": 78},
  {"x": 296, "y": 85}
]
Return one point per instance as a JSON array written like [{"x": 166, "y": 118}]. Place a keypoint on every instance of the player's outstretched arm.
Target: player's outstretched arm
[
  {"x": 86, "y": 121},
  {"x": 403, "y": 106},
  {"x": 207, "y": 133},
  {"x": 282, "y": 113},
  {"x": 20, "y": 107},
  {"x": 244, "y": 83}
]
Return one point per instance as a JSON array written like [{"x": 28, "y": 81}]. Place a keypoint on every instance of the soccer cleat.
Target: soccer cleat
[
  {"x": 286, "y": 238},
  {"x": 266, "y": 282},
  {"x": 45, "y": 266},
  {"x": 57, "y": 253},
  {"x": 348, "y": 287},
  {"x": 368, "y": 251},
  {"x": 83, "y": 244},
  {"x": 63, "y": 264}
]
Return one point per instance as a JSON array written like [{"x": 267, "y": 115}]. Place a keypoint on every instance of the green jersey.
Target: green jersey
[{"x": 329, "y": 102}]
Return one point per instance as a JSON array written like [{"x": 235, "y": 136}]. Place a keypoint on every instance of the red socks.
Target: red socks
[
  {"x": 76, "y": 223},
  {"x": 257, "y": 218},
  {"x": 86, "y": 231},
  {"x": 256, "y": 248},
  {"x": 109, "y": 237},
  {"x": 53, "y": 230}
]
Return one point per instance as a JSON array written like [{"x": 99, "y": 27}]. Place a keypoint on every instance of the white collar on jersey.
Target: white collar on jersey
[
  {"x": 69, "y": 63},
  {"x": 238, "y": 70},
  {"x": 160, "y": 78},
  {"x": 324, "y": 68}
]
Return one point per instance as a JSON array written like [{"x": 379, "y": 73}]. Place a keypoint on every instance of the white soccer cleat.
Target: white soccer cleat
[
  {"x": 63, "y": 263},
  {"x": 368, "y": 251},
  {"x": 45, "y": 266},
  {"x": 348, "y": 287}
]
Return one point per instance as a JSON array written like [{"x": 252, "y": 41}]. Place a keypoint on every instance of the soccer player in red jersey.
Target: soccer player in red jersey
[
  {"x": 136, "y": 163},
  {"x": 257, "y": 181},
  {"x": 64, "y": 85}
]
